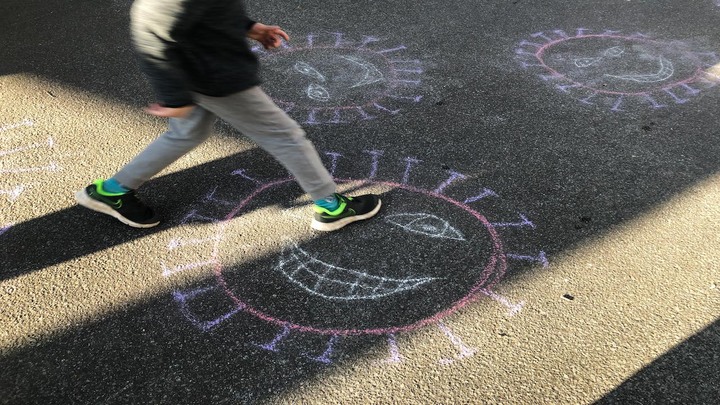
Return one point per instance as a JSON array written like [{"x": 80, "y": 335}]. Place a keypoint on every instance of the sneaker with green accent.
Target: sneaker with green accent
[
  {"x": 126, "y": 207},
  {"x": 351, "y": 209}
]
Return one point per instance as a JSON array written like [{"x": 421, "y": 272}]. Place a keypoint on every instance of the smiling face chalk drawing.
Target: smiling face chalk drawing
[
  {"x": 616, "y": 70},
  {"x": 417, "y": 264},
  {"x": 330, "y": 79}
]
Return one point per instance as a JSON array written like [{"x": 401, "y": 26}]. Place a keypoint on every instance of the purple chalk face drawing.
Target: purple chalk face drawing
[
  {"x": 329, "y": 79},
  {"x": 618, "y": 71},
  {"x": 411, "y": 266}
]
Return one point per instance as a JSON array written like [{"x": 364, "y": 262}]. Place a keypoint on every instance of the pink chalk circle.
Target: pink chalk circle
[{"x": 491, "y": 274}]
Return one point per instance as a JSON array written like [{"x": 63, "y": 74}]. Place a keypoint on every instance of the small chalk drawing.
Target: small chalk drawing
[
  {"x": 330, "y": 79},
  {"x": 616, "y": 70},
  {"x": 21, "y": 159},
  {"x": 426, "y": 255}
]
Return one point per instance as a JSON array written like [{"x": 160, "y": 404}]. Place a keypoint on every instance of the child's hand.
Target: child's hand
[
  {"x": 168, "y": 112},
  {"x": 270, "y": 36}
]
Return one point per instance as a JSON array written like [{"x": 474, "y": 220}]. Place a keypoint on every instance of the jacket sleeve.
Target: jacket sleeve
[{"x": 156, "y": 26}]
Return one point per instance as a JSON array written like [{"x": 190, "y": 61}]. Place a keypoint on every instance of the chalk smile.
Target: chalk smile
[
  {"x": 665, "y": 72},
  {"x": 333, "y": 282}
]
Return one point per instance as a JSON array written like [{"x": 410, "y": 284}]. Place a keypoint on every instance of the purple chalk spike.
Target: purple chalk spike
[
  {"x": 453, "y": 176},
  {"x": 310, "y": 40},
  {"x": 409, "y": 164},
  {"x": 399, "y": 48},
  {"x": 338, "y": 39},
  {"x": 528, "y": 43},
  {"x": 586, "y": 100},
  {"x": 365, "y": 116},
  {"x": 561, "y": 33},
  {"x": 541, "y": 35},
  {"x": 5, "y": 228},
  {"x": 581, "y": 32},
  {"x": 521, "y": 51},
  {"x": 485, "y": 193},
  {"x": 464, "y": 350},
  {"x": 375, "y": 160},
  {"x": 272, "y": 346},
  {"x": 381, "y": 108},
  {"x": 616, "y": 106},
  {"x": 394, "y": 351},
  {"x": 652, "y": 101},
  {"x": 690, "y": 90},
  {"x": 368, "y": 39},
  {"x": 311, "y": 117},
  {"x": 552, "y": 76},
  {"x": 524, "y": 222},
  {"x": 325, "y": 358},
  {"x": 337, "y": 118},
  {"x": 540, "y": 258},
  {"x": 637, "y": 35},
  {"x": 513, "y": 309},
  {"x": 564, "y": 88},
  {"x": 243, "y": 173},
  {"x": 182, "y": 298},
  {"x": 194, "y": 215},
  {"x": 333, "y": 163},
  {"x": 210, "y": 198},
  {"x": 678, "y": 100}
]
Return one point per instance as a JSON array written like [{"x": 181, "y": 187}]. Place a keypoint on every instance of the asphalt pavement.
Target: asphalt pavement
[{"x": 549, "y": 231}]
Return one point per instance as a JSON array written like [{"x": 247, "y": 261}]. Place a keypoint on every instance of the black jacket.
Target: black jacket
[{"x": 189, "y": 46}]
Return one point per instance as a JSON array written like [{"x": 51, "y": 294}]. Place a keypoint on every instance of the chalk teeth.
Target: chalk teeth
[{"x": 333, "y": 282}]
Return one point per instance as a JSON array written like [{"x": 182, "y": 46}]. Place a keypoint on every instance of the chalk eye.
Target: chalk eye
[
  {"x": 425, "y": 224},
  {"x": 304, "y": 68},
  {"x": 317, "y": 92},
  {"x": 615, "y": 51}
]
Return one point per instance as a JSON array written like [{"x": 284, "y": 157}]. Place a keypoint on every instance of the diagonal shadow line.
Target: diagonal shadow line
[
  {"x": 76, "y": 231},
  {"x": 163, "y": 350},
  {"x": 689, "y": 373}
]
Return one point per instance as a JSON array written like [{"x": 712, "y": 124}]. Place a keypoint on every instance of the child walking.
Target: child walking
[{"x": 197, "y": 59}]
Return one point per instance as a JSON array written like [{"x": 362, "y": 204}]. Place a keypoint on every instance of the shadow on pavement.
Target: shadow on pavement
[{"x": 688, "y": 373}]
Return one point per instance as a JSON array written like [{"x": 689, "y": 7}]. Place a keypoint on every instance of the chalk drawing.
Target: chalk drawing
[
  {"x": 5, "y": 228},
  {"x": 330, "y": 79},
  {"x": 464, "y": 350},
  {"x": 618, "y": 71},
  {"x": 425, "y": 224},
  {"x": 307, "y": 289},
  {"x": 316, "y": 277},
  {"x": 23, "y": 123},
  {"x": 17, "y": 161}
]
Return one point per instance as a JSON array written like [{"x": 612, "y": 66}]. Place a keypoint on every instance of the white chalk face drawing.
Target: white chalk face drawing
[
  {"x": 427, "y": 254},
  {"x": 399, "y": 268},
  {"x": 619, "y": 64},
  {"x": 616, "y": 70},
  {"x": 333, "y": 79}
]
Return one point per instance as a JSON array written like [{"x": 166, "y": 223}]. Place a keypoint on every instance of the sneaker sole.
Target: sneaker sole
[
  {"x": 86, "y": 201},
  {"x": 334, "y": 226}
]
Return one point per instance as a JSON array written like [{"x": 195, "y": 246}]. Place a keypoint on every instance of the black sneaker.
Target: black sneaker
[
  {"x": 126, "y": 207},
  {"x": 351, "y": 209}
]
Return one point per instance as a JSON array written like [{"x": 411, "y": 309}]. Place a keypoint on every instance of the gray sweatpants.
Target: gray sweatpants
[{"x": 254, "y": 114}]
